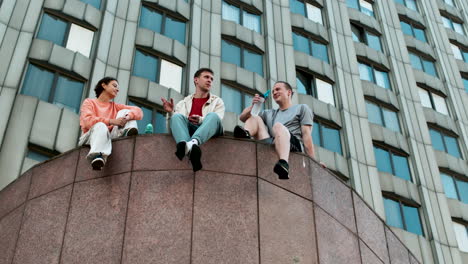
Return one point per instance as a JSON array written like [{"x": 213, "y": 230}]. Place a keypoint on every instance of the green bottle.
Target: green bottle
[{"x": 149, "y": 129}]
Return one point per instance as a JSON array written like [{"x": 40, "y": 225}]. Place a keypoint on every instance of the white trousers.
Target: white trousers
[{"x": 99, "y": 137}]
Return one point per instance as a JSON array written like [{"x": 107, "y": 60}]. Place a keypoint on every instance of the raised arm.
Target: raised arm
[{"x": 246, "y": 113}]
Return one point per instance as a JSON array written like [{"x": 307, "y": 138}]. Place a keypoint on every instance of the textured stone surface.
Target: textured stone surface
[
  {"x": 96, "y": 223},
  {"x": 225, "y": 228},
  {"x": 119, "y": 161},
  {"x": 367, "y": 256},
  {"x": 370, "y": 228},
  {"x": 157, "y": 153},
  {"x": 397, "y": 251},
  {"x": 53, "y": 174},
  {"x": 231, "y": 156},
  {"x": 9, "y": 230},
  {"x": 333, "y": 196},
  {"x": 336, "y": 244},
  {"x": 286, "y": 226},
  {"x": 14, "y": 194},
  {"x": 41, "y": 236},
  {"x": 159, "y": 218},
  {"x": 299, "y": 171}
]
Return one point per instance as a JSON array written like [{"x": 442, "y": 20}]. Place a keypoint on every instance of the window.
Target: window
[
  {"x": 411, "y": 4},
  {"x": 461, "y": 232},
  {"x": 162, "y": 23},
  {"x": 465, "y": 82},
  {"x": 423, "y": 64},
  {"x": 459, "y": 53},
  {"x": 239, "y": 15},
  {"x": 371, "y": 74},
  {"x": 235, "y": 100},
  {"x": 403, "y": 216},
  {"x": 308, "y": 10},
  {"x": 53, "y": 87},
  {"x": 390, "y": 161},
  {"x": 66, "y": 34},
  {"x": 242, "y": 56},
  {"x": 413, "y": 30},
  {"x": 449, "y": 2},
  {"x": 310, "y": 46},
  {"x": 361, "y": 5},
  {"x": 381, "y": 115},
  {"x": 158, "y": 70},
  {"x": 95, "y": 3},
  {"x": 318, "y": 88},
  {"x": 455, "y": 187},
  {"x": 444, "y": 141},
  {"x": 326, "y": 136},
  {"x": 364, "y": 36},
  {"x": 36, "y": 154},
  {"x": 151, "y": 116},
  {"x": 449, "y": 23},
  {"x": 433, "y": 100}
]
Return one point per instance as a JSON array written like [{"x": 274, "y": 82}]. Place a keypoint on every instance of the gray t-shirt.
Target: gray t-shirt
[{"x": 292, "y": 118}]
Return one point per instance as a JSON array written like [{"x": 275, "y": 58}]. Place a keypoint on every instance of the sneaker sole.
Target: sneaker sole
[
  {"x": 97, "y": 164},
  {"x": 240, "y": 133},
  {"x": 132, "y": 132},
  {"x": 195, "y": 156},
  {"x": 180, "y": 150},
  {"x": 283, "y": 174}
]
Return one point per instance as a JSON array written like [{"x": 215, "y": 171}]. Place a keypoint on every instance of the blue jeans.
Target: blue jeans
[{"x": 183, "y": 130}]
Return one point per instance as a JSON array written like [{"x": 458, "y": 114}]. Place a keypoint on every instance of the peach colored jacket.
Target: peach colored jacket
[{"x": 93, "y": 111}]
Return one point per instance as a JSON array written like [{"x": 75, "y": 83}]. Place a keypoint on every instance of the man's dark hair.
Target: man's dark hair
[
  {"x": 106, "y": 80},
  {"x": 288, "y": 86},
  {"x": 197, "y": 73}
]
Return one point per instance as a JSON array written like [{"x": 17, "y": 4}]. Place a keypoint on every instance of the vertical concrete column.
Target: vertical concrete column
[{"x": 363, "y": 172}]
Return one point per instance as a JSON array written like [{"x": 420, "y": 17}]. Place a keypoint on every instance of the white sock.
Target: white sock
[{"x": 189, "y": 145}]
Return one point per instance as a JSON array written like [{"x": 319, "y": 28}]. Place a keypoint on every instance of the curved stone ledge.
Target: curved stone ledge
[{"x": 146, "y": 206}]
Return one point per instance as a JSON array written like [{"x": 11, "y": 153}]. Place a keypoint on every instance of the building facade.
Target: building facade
[{"x": 387, "y": 81}]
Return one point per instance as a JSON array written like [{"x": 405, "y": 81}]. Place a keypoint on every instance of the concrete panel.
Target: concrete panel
[
  {"x": 138, "y": 87},
  {"x": 183, "y": 8},
  {"x": 179, "y": 51},
  {"x": 62, "y": 57},
  {"x": 155, "y": 92},
  {"x": 7, "y": 49},
  {"x": 105, "y": 36},
  {"x": 41, "y": 49},
  {"x": 93, "y": 16},
  {"x": 54, "y": 4},
  {"x": 7, "y": 97},
  {"x": 82, "y": 65},
  {"x": 128, "y": 44},
  {"x": 6, "y": 11},
  {"x": 18, "y": 14},
  {"x": 133, "y": 11},
  {"x": 45, "y": 125},
  {"x": 115, "y": 48},
  {"x": 16, "y": 138},
  {"x": 163, "y": 44},
  {"x": 18, "y": 60},
  {"x": 75, "y": 9},
  {"x": 68, "y": 131},
  {"x": 32, "y": 16}
]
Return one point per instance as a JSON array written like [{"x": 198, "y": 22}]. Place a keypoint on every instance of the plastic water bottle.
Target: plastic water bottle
[
  {"x": 149, "y": 129},
  {"x": 257, "y": 106}
]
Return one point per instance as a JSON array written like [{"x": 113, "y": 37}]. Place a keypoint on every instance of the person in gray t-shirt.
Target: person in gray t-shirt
[{"x": 289, "y": 127}]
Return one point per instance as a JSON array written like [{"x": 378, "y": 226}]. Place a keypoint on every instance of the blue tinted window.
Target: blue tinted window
[
  {"x": 175, "y": 29},
  {"x": 253, "y": 62},
  {"x": 383, "y": 160},
  {"x": 251, "y": 21},
  {"x": 374, "y": 42},
  {"x": 95, "y": 3},
  {"x": 391, "y": 120},
  {"x": 145, "y": 66},
  {"x": 415, "y": 62},
  {"x": 437, "y": 141},
  {"x": 412, "y": 220},
  {"x": 402, "y": 2},
  {"x": 301, "y": 43},
  {"x": 373, "y": 113},
  {"x": 331, "y": 139},
  {"x": 429, "y": 67},
  {"x": 411, "y": 4},
  {"x": 38, "y": 82},
  {"x": 36, "y": 155},
  {"x": 392, "y": 213},
  {"x": 52, "y": 29},
  {"x": 230, "y": 53},
  {"x": 232, "y": 99},
  {"x": 365, "y": 72},
  {"x": 147, "y": 118},
  {"x": 401, "y": 166},
  {"x": 301, "y": 86},
  {"x": 297, "y": 7},
  {"x": 160, "y": 123},
  {"x": 381, "y": 79},
  {"x": 150, "y": 19},
  {"x": 320, "y": 51},
  {"x": 406, "y": 28},
  {"x": 465, "y": 55},
  {"x": 465, "y": 83},
  {"x": 68, "y": 93},
  {"x": 316, "y": 134},
  {"x": 452, "y": 146},
  {"x": 231, "y": 12},
  {"x": 420, "y": 35},
  {"x": 449, "y": 186},
  {"x": 463, "y": 190}
]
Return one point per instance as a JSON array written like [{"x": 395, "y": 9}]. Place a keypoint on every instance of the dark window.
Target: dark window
[
  {"x": 326, "y": 136},
  {"x": 364, "y": 36},
  {"x": 411, "y": 29},
  {"x": 317, "y": 87},
  {"x": 53, "y": 87},
  {"x": 465, "y": 82},
  {"x": 445, "y": 141},
  {"x": 310, "y": 46},
  {"x": 393, "y": 162},
  {"x": 242, "y": 56},
  {"x": 151, "y": 115},
  {"x": 235, "y": 100},
  {"x": 403, "y": 216},
  {"x": 424, "y": 64},
  {"x": 163, "y": 23}
]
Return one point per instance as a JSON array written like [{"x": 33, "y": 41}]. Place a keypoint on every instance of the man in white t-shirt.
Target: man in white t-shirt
[{"x": 289, "y": 127}]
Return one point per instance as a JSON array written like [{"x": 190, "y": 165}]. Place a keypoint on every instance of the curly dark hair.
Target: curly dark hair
[{"x": 106, "y": 80}]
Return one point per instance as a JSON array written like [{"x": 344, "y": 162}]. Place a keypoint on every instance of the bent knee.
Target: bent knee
[
  {"x": 212, "y": 116},
  {"x": 99, "y": 125}
]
